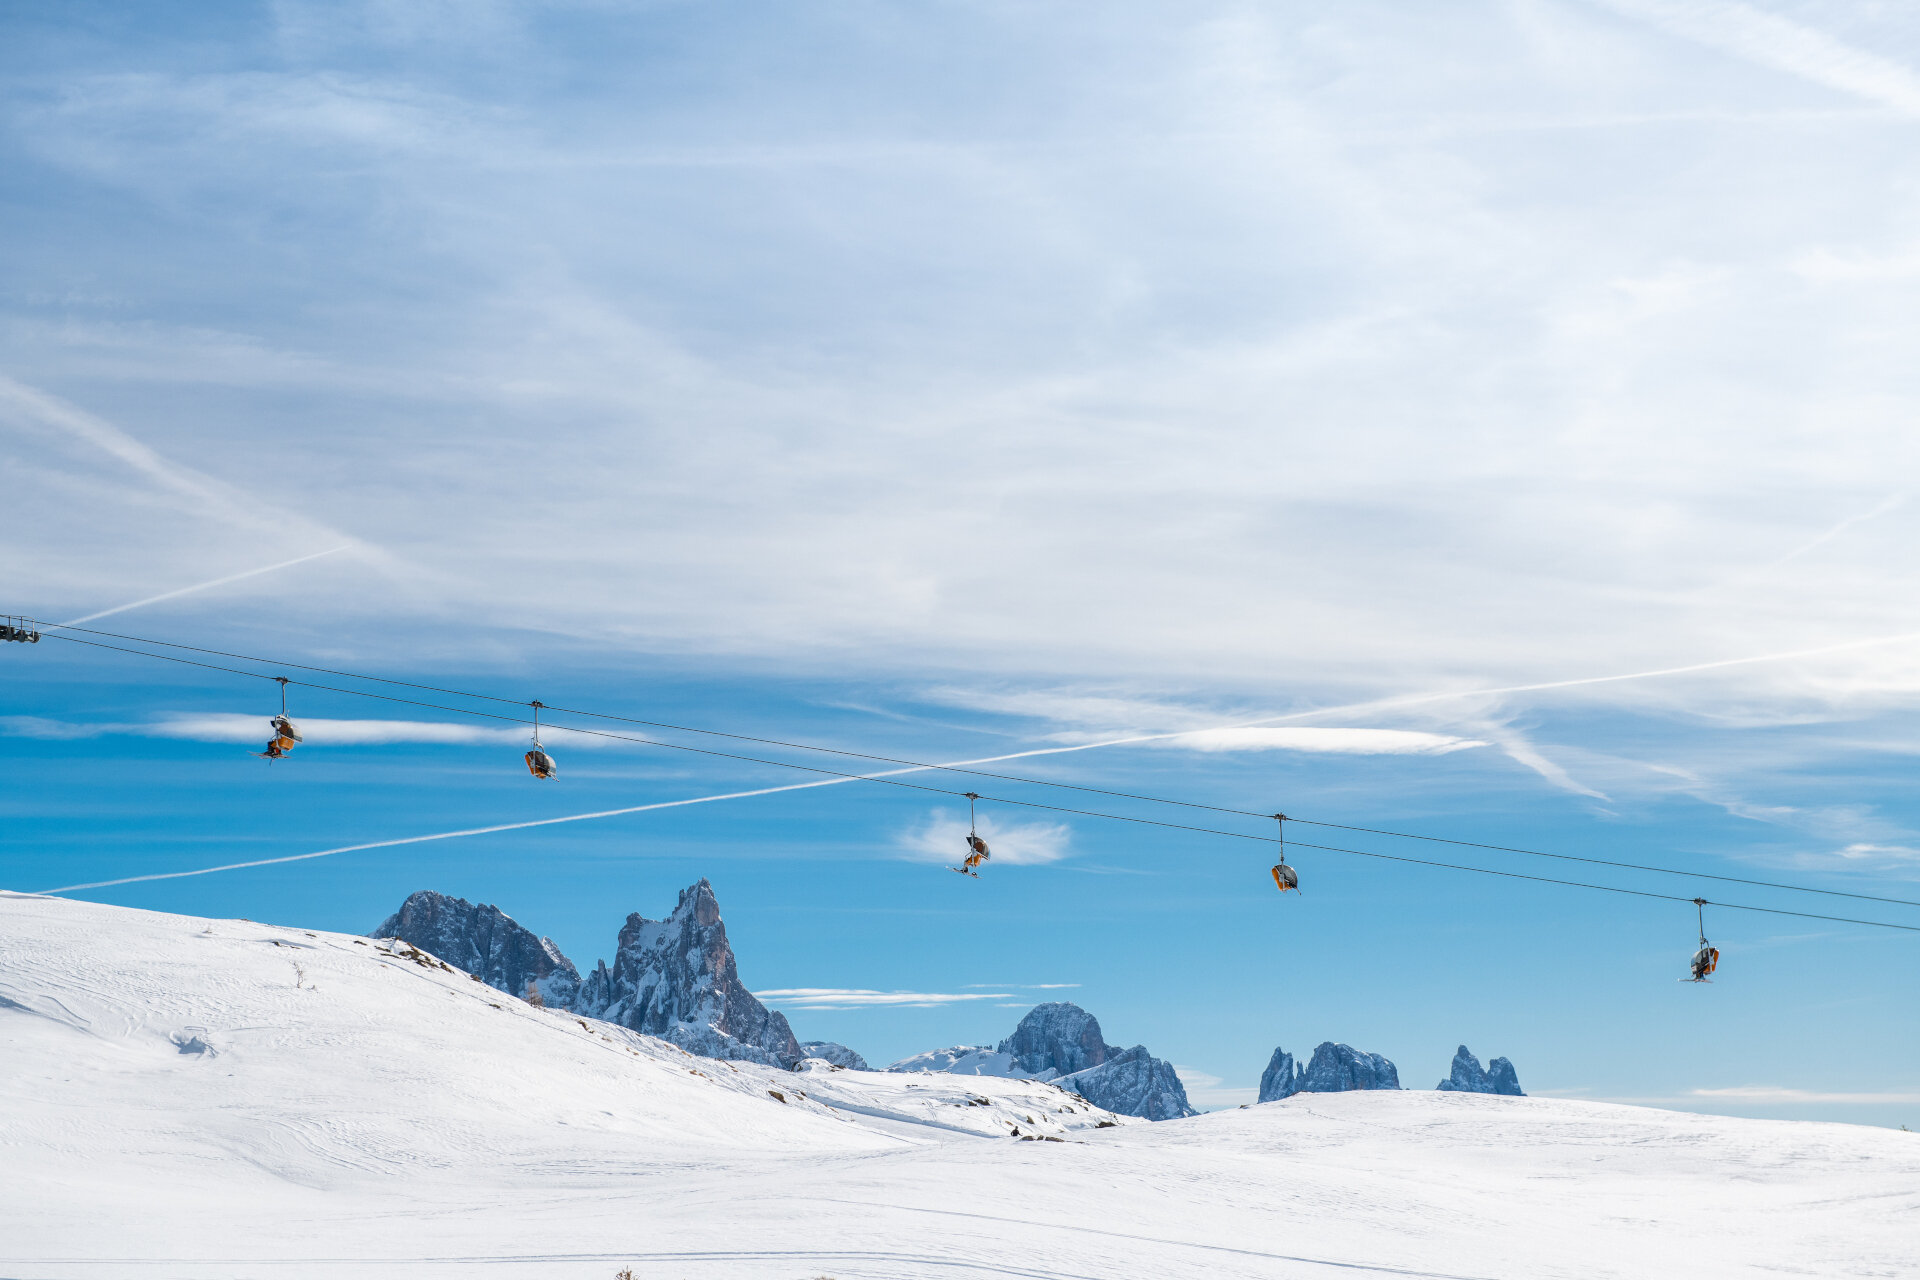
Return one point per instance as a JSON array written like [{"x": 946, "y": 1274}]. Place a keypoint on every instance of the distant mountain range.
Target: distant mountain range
[
  {"x": 673, "y": 978},
  {"x": 676, "y": 979}
]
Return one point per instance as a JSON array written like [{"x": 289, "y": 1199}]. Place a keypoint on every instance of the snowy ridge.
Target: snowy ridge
[
  {"x": 191, "y": 1099},
  {"x": 964, "y": 1060}
]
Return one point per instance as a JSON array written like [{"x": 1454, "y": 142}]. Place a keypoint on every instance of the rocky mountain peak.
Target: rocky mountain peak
[
  {"x": 698, "y": 904},
  {"x": 1061, "y": 1043},
  {"x": 486, "y": 942},
  {"x": 1467, "y": 1077},
  {"x": 1335, "y": 1068},
  {"x": 1132, "y": 1082},
  {"x": 1058, "y": 1037},
  {"x": 676, "y": 979}
]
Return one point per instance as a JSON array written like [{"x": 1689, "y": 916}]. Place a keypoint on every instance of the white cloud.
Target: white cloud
[
  {"x": 52, "y": 730},
  {"x": 1204, "y": 1089},
  {"x": 252, "y": 728},
  {"x": 933, "y": 400},
  {"x": 942, "y": 838},
  {"x": 229, "y": 727},
  {"x": 1863, "y": 850},
  {"x": 1773, "y": 1094},
  {"x": 862, "y": 998},
  {"x": 1354, "y": 742},
  {"x": 1773, "y": 41}
]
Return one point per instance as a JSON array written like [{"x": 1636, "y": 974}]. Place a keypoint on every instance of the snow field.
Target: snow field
[{"x": 219, "y": 1099}]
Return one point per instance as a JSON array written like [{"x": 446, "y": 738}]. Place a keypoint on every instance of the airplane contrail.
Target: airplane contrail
[
  {"x": 202, "y": 586},
  {"x": 1347, "y": 709},
  {"x": 442, "y": 835}
]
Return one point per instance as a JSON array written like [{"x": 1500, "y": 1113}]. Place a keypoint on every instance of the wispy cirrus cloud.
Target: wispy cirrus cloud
[
  {"x": 1204, "y": 1089},
  {"x": 1770, "y": 40},
  {"x": 942, "y": 838},
  {"x": 864, "y": 998},
  {"x": 1756, "y": 1095},
  {"x": 1864, "y": 851},
  {"x": 223, "y": 726},
  {"x": 231, "y": 727},
  {"x": 1766, "y": 1094},
  {"x": 1328, "y": 741}
]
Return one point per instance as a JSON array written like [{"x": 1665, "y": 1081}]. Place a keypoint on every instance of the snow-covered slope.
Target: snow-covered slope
[{"x": 219, "y": 1099}]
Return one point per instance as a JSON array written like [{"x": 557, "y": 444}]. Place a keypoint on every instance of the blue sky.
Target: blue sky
[{"x": 954, "y": 380}]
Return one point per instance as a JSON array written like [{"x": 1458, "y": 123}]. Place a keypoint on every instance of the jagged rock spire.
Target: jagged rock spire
[
  {"x": 676, "y": 979},
  {"x": 1336, "y": 1068},
  {"x": 1467, "y": 1077}
]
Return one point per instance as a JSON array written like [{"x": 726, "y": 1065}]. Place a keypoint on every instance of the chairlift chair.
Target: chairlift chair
[
  {"x": 1707, "y": 958},
  {"x": 977, "y": 851},
  {"x": 1284, "y": 876},
  {"x": 285, "y": 732},
  {"x": 539, "y": 763}
]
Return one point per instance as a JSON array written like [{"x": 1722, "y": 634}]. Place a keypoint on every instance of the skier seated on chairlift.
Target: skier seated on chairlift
[
  {"x": 976, "y": 854},
  {"x": 1705, "y": 961},
  {"x": 539, "y": 763},
  {"x": 976, "y": 847},
  {"x": 1707, "y": 958},
  {"x": 285, "y": 734}
]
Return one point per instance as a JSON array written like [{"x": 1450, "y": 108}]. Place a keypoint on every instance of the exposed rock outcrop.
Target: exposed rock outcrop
[
  {"x": 1335, "y": 1068},
  {"x": 672, "y": 978},
  {"x": 1132, "y": 1082},
  {"x": 1280, "y": 1079},
  {"x": 676, "y": 979},
  {"x": 1058, "y": 1037},
  {"x": 836, "y": 1054},
  {"x": 1062, "y": 1043},
  {"x": 487, "y": 943},
  {"x": 1467, "y": 1077}
]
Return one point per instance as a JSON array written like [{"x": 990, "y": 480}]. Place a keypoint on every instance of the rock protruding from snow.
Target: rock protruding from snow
[
  {"x": 834, "y": 1054},
  {"x": 1280, "y": 1079},
  {"x": 487, "y": 943},
  {"x": 676, "y": 979},
  {"x": 1335, "y": 1068},
  {"x": 1061, "y": 1044},
  {"x": 1467, "y": 1077},
  {"x": 1132, "y": 1082},
  {"x": 1058, "y": 1037}
]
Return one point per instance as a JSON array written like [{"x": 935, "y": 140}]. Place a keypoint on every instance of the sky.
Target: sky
[{"x": 1489, "y": 420}]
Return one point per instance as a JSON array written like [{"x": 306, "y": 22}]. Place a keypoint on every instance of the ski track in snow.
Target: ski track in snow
[{"x": 185, "y": 1099}]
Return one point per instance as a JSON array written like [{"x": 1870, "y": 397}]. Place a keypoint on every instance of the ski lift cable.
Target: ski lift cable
[
  {"x": 1039, "y": 782},
  {"x": 1085, "y": 813},
  {"x": 917, "y": 765}
]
